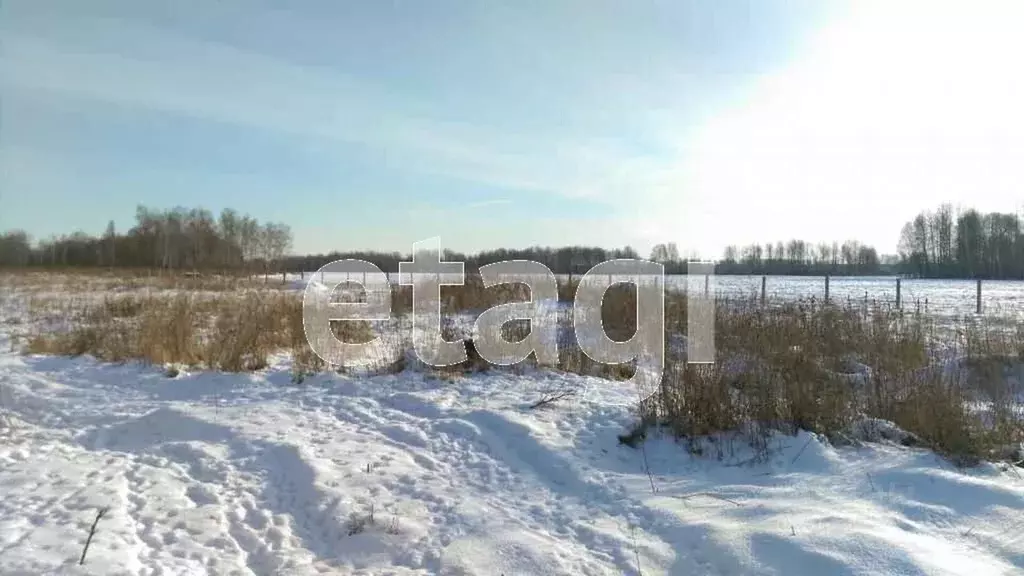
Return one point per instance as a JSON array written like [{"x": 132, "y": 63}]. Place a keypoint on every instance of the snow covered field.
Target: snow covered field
[
  {"x": 210, "y": 473},
  {"x": 944, "y": 298}
]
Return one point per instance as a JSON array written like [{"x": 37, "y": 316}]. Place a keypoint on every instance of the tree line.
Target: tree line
[
  {"x": 963, "y": 244},
  {"x": 935, "y": 244},
  {"x": 172, "y": 239},
  {"x": 195, "y": 239},
  {"x": 563, "y": 260},
  {"x": 944, "y": 243},
  {"x": 801, "y": 258}
]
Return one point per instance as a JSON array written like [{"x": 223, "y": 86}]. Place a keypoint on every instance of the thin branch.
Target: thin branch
[
  {"x": 552, "y": 398},
  {"x": 709, "y": 495},
  {"x": 647, "y": 468},
  {"x": 92, "y": 532},
  {"x": 636, "y": 549},
  {"x": 798, "y": 454}
]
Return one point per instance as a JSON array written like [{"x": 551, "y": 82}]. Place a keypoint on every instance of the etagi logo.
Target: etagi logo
[{"x": 426, "y": 273}]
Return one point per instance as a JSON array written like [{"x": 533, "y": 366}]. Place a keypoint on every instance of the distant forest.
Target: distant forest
[
  {"x": 938, "y": 244},
  {"x": 965, "y": 244},
  {"x": 175, "y": 239}
]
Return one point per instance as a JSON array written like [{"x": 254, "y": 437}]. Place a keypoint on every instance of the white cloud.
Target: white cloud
[
  {"x": 146, "y": 67},
  {"x": 892, "y": 109}
]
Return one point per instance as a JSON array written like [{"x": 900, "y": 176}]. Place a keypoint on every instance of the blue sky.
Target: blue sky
[{"x": 377, "y": 124}]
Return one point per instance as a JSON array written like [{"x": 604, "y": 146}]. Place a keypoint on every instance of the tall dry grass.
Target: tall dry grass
[
  {"x": 229, "y": 332},
  {"x": 781, "y": 366},
  {"x": 73, "y": 280},
  {"x": 823, "y": 368}
]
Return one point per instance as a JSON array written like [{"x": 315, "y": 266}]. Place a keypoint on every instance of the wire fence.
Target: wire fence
[{"x": 935, "y": 297}]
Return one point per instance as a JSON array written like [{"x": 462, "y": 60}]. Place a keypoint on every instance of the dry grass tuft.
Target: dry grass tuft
[
  {"x": 822, "y": 367},
  {"x": 234, "y": 333},
  {"x": 782, "y": 367}
]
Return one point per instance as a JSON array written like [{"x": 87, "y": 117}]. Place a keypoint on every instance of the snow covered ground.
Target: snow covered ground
[
  {"x": 947, "y": 298},
  {"x": 209, "y": 473}
]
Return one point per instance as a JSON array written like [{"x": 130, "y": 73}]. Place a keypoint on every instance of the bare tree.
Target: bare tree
[
  {"x": 277, "y": 240},
  {"x": 15, "y": 249}
]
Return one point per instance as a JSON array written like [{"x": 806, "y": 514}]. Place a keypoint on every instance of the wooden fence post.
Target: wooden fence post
[
  {"x": 764, "y": 281},
  {"x": 979, "y": 296},
  {"x": 898, "y": 294},
  {"x": 827, "y": 280}
]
